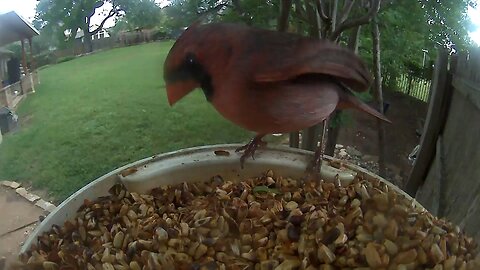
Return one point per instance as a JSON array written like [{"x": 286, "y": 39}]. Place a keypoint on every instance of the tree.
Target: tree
[
  {"x": 141, "y": 14},
  {"x": 66, "y": 16},
  {"x": 377, "y": 70},
  {"x": 407, "y": 29},
  {"x": 447, "y": 22},
  {"x": 182, "y": 13}
]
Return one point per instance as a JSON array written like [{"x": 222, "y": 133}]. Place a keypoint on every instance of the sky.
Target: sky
[{"x": 26, "y": 9}]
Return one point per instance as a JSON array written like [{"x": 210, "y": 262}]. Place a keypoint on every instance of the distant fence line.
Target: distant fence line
[
  {"x": 114, "y": 41},
  {"x": 416, "y": 87}
]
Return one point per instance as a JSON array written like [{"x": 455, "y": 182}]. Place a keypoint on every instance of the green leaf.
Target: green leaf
[{"x": 265, "y": 189}]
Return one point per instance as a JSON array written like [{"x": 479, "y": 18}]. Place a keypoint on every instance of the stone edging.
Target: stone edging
[{"x": 32, "y": 198}]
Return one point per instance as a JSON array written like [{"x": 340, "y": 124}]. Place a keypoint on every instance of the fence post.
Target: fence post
[
  {"x": 410, "y": 78},
  {"x": 441, "y": 92}
]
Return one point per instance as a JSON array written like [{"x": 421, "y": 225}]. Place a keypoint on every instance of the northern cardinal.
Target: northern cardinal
[{"x": 265, "y": 81}]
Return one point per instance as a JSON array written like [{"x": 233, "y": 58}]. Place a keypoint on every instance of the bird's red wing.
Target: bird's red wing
[{"x": 313, "y": 57}]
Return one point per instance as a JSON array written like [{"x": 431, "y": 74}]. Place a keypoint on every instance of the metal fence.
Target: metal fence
[{"x": 414, "y": 86}]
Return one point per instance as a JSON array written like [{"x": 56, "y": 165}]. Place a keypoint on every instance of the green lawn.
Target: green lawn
[{"x": 95, "y": 113}]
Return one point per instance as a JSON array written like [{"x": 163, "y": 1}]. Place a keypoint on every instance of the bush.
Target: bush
[
  {"x": 65, "y": 59},
  {"x": 159, "y": 35},
  {"x": 45, "y": 58}
]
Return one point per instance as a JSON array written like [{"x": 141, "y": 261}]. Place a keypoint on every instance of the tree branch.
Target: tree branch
[
  {"x": 321, "y": 10},
  {"x": 374, "y": 7},
  {"x": 285, "y": 8},
  {"x": 346, "y": 10},
  {"x": 240, "y": 10},
  {"x": 237, "y": 6},
  {"x": 334, "y": 14},
  {"x": 112, "y": 13},
  {"x": 300, "y": 12},
  {"x": 313, "y": 25},
  {"x": 217, "y": 8}
]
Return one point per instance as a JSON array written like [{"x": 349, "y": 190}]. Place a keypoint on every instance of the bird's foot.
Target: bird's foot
[
  {"x": 314, "y": 168},
  {"x": 250, "y": 148}
]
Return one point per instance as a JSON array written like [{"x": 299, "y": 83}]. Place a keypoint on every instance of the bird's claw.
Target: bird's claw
[
  {"x": 314, "y": 168},
  {"x": 249, "y": 149}
]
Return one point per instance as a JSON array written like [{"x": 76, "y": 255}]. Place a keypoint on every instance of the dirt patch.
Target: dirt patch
[
  {"x": 19, "y": 218},
  {"x": 405, "y": 112}
]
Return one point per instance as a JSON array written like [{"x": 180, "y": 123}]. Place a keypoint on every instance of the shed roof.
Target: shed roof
[{"x": 14, "y": 28}]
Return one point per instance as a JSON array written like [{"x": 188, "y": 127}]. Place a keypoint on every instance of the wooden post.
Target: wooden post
[
  {"x": 310, "y": 138},
  {"x": 25, "y": 68},
  {"x": 24, "y": 57},
  {"x": 294, "y": 140},
  {"x": 32, "y": 65},
  {"x": 441, "y": 92},
  {"x": 32, "y": 60},
  {"x": 410, "y": 78}
]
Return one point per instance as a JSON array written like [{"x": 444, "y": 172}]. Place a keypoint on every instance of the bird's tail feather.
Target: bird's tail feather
[{"x": 350, "y": 100}]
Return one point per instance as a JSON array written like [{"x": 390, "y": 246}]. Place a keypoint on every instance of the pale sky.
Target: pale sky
[{"x": 26, "y": 9}]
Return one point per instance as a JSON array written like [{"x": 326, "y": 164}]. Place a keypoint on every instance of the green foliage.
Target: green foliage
[
  {"x": 140, "y": 14},
  {"x": 448, "y": 22},
  {"x": 16, "y": 48},
  {"x": 408, "y": 28},
  {"x": 181, "y": 13},
  {"x": 46, "y": 41},
  {"x": 45, "y": 58},
  {"x": 60, "y": 19},
  {"x": 341, "y": 118},
  {"x": 250, "y": 12}
]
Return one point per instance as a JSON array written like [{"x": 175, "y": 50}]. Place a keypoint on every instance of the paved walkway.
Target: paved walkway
[{"x": 20, "y": 212}]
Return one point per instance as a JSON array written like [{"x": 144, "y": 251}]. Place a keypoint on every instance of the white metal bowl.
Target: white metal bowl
[{"x": 197, "y": 164}]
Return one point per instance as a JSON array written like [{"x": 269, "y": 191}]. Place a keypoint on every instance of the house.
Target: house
[{"x": 99, "y": 35}]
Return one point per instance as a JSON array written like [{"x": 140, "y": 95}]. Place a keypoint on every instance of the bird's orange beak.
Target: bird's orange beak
[{"x": 179, "y": 89}]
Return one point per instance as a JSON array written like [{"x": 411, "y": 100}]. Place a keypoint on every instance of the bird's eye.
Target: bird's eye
[{"x": 190, "y": 58}]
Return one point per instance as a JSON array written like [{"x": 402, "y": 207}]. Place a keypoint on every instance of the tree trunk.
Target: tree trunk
[
  {"x": 378, "y": 95},
  {"x": 87, "y": 42},
  {"x": 282, "y": 26},
  {"x": 334, "y": 130},
  {"x": 285, "y": 8},
  {"x": 310, "y": 135},
  {"x": 354, "y": 39}
]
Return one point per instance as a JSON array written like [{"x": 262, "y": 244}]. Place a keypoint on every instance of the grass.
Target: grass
[{"x": 96, "y": 113}]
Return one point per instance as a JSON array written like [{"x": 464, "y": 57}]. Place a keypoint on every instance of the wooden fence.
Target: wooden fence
[
  {"x": 77, "y": 48},
  {"x": 416, "y": 87},
  {"x": 446, "y": 175},
  {"x": 119, "y": 40}
]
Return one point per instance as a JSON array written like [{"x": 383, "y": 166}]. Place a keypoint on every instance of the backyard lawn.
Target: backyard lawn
[{"x": 95, "y": 113}]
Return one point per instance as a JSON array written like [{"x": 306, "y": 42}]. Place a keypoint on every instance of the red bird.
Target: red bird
[{"x": 265, "y": 81}]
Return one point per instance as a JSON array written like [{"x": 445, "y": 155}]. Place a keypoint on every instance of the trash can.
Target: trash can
[{"x": 8, "y": 120}]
